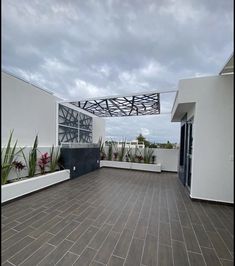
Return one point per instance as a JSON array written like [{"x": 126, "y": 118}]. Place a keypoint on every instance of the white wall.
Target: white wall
[
  {"x": 29, "y": 111},
  {"x": 212, "y": 162},
  {"x": 98, "y": 129},
  {"x": 168, "y": 158}
]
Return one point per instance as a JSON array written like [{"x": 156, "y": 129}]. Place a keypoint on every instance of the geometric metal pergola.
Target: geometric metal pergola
[{"x": 117, "y": 106}]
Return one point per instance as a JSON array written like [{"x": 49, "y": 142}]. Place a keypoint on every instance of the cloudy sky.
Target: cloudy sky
[{"x": 80, "y": 49}]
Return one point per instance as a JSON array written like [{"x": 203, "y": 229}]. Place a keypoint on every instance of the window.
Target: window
[{"x": 73, "y": 126}]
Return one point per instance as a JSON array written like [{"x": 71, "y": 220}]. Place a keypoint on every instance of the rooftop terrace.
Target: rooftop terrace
[{"x": 116, "y": 217}]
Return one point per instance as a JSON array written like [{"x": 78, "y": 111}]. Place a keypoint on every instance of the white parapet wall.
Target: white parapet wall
[
  {"x": 17, "y": 189},
  {"x": 167, "y": 158},
  {"x": 131, "y": 166}
]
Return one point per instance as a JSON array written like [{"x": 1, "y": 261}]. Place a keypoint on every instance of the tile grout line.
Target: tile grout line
[
  {"x": 87, "y": 246},
  {"x": 135, "y": 190},
  {"x": 133, "y": 235},
  {"x": 151, "y": 204},
  {"x": 123, "y": 226}
]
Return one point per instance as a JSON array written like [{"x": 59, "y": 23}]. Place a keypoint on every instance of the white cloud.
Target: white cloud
[
  {"x": 153, "y": 69},
  {"x": 183, "y": 11},
  {"x": 83, "y": 89},
  {"x": 92, "y": 48},
  {"x": 145, "y": 131}
]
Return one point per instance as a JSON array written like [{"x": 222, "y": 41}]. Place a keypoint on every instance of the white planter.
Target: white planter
[
  {"x": 115, "y": 164},
  {"x": 133, "y": 166},
  {"x": 20, "y": 188},
  {"x": 146, "y": 167}
]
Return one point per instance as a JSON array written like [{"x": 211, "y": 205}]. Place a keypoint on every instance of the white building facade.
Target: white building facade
[{"x": 205, "y": 108}]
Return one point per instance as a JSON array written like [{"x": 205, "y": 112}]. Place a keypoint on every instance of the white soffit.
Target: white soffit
[{"x": 229, "y": 67}]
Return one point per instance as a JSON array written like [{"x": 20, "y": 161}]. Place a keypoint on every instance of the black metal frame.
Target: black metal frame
[
  {"x": 145, "y": 104},
  {"x": 73, "y": 126}
]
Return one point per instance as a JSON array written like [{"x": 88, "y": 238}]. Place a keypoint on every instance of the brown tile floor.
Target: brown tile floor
[{"x": 116, "y": 217}]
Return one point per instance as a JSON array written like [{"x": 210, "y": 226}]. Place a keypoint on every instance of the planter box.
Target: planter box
[
  {"x": 133, "y": 166},
  {"x": 115, "y": 164},
  {"x": 24, "y": 187}
]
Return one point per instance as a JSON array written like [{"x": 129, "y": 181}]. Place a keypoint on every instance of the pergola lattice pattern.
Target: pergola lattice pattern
[{"x": 145, "y": 104}]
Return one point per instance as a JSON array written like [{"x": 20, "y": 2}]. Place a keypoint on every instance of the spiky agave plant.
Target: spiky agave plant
[
  {"x": 115, "y": 149},
  {"x": 110, "y": 151},
  {"x": 122, "y": 151},
  {"x": 7, "y": 155},
  {"x": 133, "y": 155},
  {"x": 102, "y": 151},
  {"x": 128, "y": 155},
  {"x": 148, "y": 153},
  {"x": 54, "y": 158},
  {"x": 31, "y": 163}
]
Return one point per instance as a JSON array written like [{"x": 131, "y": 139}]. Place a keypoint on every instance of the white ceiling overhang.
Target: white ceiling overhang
[{"x": 229, "y": 67}]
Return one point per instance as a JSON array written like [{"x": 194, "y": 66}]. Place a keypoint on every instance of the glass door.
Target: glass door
[{"x": 189, "y": 153}]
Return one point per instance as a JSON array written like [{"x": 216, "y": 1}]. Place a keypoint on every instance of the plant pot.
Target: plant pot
[{"x": 32, "y": 184}]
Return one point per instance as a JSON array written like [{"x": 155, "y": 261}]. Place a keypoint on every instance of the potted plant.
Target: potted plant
[{"x": 33, "y": 181}]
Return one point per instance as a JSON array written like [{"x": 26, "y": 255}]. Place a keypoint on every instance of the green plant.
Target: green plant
[
  {"x": 43, "y": 162},
  {"x": 115, "y": 148},
  {"x": 133, "y": 155},
  {"x": 102, "y": 151},
  {"x": 31, "y": 163},
  {"x": 122, "y": 151},
  {"x": 110, "y": 151},
  {"x": 112, "y": 146},
  {"x": 7, "y": 156},
  {"x": 148, "y": 153},
  {"x": 142, "y": 139},
  {"x": 55, "y": 156},
  {"x": 128, "y": 155}
]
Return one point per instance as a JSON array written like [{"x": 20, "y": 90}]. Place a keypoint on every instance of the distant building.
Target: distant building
[{"x": 130, "y": 144}]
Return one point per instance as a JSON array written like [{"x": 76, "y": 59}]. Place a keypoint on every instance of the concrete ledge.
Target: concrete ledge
[
  {"x": 132, "y": 166},
  {"x": 20, "y": 188}
]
